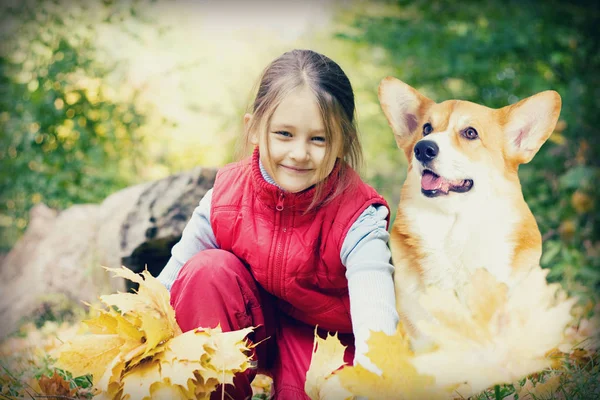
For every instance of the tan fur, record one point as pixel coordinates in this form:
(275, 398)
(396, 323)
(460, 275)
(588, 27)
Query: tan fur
(528, 240)
(442, 240)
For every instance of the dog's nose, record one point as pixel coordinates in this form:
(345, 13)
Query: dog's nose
(426, 150)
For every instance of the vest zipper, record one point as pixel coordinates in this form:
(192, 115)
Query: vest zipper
(279, 206)
(277, 264)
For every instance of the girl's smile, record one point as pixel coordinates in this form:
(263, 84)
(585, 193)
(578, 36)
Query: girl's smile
(297, 170)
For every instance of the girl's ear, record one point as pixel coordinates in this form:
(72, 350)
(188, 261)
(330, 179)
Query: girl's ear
(253, 136)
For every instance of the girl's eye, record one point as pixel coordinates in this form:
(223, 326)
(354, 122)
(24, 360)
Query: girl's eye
(427, 129)
(283, 133)
(319, 139)
(470, 133)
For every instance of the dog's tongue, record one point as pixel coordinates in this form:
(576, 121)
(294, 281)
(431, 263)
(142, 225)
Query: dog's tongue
(430, 181)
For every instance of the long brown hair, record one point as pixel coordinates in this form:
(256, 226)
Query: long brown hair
(335, 98)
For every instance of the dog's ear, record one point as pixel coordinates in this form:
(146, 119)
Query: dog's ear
(528, 123)
(403, 107)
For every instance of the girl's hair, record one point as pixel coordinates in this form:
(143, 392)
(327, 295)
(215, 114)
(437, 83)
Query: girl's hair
(335, 98)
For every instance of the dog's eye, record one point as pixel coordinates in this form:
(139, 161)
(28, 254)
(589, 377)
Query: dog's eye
(427, 129)
(470, 133)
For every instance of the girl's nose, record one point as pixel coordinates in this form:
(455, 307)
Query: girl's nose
(299, 152)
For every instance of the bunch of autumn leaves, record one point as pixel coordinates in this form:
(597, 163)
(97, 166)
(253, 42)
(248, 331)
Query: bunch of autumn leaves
(135, 349)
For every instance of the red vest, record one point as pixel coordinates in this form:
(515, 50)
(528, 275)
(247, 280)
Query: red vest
(292, 254)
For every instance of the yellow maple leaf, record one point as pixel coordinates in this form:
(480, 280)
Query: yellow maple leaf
(137, 381)
(115, 338)
(112, 322)
(110, 383)
(228, 357)
(493, 334)
(182, 357)
(204, 387)
(399, 378)
(166, 390)
(150, 291)
(391, 354)
(328, 357)
(89, 354)
(150, 304)
(103, 323)
(155, 329)
(187, 346)
(179, 373)
(126, 302)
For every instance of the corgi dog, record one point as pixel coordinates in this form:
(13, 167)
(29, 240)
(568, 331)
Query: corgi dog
(461, 205)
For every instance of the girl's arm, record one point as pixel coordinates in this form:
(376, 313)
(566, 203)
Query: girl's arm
(370, 280)
(197, 236)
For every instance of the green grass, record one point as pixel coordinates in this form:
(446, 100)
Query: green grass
(579, 380)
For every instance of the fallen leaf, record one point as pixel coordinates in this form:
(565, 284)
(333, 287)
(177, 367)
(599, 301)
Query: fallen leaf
(399, 378)
(137, 380)
(89, 354)
(55, 385)
(328, 357)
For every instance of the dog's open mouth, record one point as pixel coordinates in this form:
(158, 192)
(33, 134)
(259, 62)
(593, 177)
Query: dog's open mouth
(433, 185)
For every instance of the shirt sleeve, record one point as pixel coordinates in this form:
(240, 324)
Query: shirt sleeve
(370, 280)
(197, 235)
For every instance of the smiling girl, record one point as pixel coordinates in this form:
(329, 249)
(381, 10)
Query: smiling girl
(290, 238)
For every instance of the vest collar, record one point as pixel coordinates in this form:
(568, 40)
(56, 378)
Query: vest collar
(276, 198)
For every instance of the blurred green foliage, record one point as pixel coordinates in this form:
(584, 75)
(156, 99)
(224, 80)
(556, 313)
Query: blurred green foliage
(496, 53)
(65, 134)
(69, 133)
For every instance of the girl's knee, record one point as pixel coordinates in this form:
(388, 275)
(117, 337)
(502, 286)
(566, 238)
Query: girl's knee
(210, 264)
(214, 288)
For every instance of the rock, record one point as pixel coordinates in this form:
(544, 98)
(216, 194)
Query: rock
(156, 222)
(40, 219)
(62, 252)
(55, 257)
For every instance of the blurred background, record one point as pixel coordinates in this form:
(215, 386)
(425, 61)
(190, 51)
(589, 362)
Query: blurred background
(96, 96)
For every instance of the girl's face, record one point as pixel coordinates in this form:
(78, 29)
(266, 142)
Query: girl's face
(296, 142)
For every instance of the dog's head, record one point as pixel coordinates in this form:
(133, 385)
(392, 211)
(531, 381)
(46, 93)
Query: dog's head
(457, 148)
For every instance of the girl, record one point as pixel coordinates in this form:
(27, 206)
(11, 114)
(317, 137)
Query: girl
(289, 238)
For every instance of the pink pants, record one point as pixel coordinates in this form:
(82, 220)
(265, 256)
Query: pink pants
(215, 287)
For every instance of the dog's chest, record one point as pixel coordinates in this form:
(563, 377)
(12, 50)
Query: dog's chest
(454, 246)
